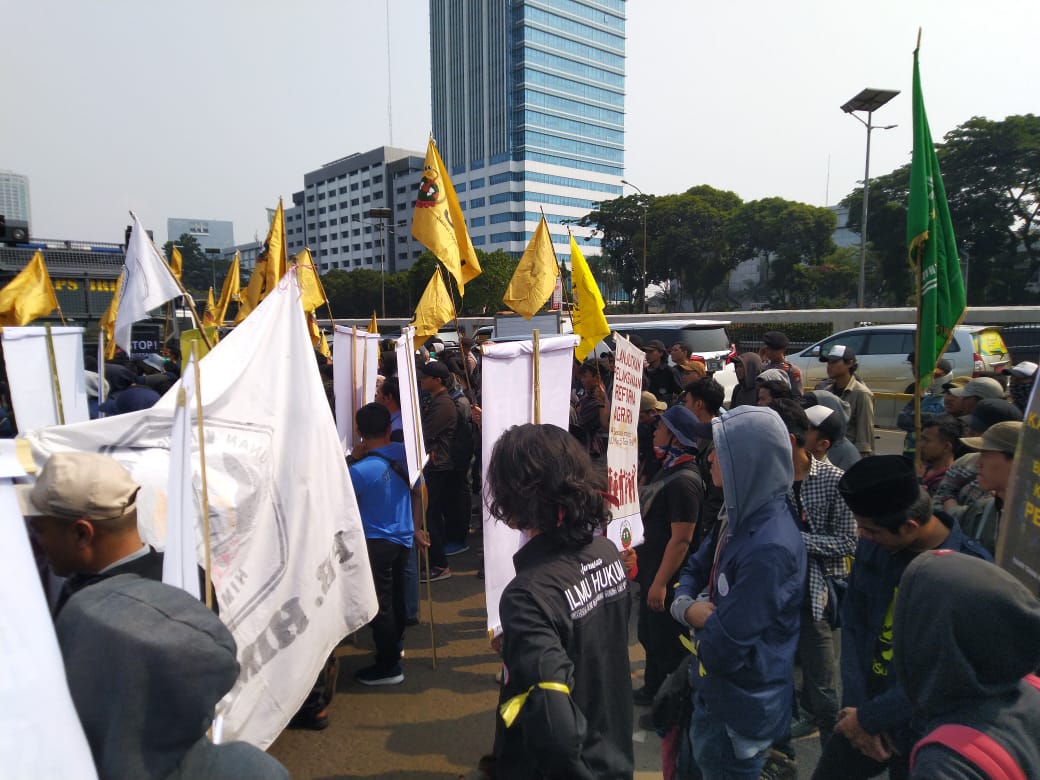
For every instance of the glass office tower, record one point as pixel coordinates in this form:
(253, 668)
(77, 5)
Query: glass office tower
(528, 101)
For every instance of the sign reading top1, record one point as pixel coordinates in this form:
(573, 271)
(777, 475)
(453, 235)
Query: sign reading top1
(1018, 542)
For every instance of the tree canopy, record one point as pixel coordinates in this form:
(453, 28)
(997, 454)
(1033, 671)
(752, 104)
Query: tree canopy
(200, 271)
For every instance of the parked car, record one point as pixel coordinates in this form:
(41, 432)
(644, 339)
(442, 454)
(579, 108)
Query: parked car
(881, 351)
(706, 339)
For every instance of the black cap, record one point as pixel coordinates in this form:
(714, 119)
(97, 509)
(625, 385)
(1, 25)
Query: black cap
(774, 339)
(436, 369)
(880, 485)
(685, 426)
(990, 411)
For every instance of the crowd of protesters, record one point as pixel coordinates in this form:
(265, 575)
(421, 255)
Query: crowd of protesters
(750, 562)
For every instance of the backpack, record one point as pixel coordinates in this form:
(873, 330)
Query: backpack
(463, 442)
(984, 752)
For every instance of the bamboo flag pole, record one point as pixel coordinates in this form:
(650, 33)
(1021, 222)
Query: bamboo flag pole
(537, 378)
(102, 395)
(55, 382)
(202, 469)
(455, 318)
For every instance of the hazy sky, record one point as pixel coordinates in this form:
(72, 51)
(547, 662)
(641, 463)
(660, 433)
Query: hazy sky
(214, 109)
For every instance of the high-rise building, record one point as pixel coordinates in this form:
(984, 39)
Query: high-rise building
(528, 101)
(214, 235)
(356, 212)
(14, 197)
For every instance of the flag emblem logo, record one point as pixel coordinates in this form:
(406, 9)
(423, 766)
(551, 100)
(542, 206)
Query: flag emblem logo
(430, 193)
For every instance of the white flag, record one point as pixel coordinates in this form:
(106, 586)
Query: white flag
(411, 422)
(181, 559)
(147, 284)
(355, 365)
(290, 564)
(29, 375)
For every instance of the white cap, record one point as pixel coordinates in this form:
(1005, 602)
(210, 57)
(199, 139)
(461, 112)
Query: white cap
(817, 414)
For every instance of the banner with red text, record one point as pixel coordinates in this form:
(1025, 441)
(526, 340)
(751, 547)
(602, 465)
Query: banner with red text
(626, 529)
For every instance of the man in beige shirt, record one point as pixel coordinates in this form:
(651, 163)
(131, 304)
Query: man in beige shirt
(841, 380)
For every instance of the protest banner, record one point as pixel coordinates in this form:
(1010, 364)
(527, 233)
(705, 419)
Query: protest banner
(411, 421)
(508, 373)
(289, 560)
(626, 528)
(354, 372)
(40, 733)
(1018, 541)
(31, 383)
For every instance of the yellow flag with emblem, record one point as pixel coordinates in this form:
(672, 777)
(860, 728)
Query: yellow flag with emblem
(209, 317)
(311, 295)
(107, 324)
(439, 224)
(29, 295)
(587, 314)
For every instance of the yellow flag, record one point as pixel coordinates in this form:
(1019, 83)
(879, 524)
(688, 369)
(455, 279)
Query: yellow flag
(176, 263)
(254, 290)
(188, 336)
(108, 321)
(311, 295)
(587, 314)
(230, 291)
(434, 309)
(373, 326)
(275, 251)
(318, 336)
(29, 295)
(439, 223)
(535, 276)
(210, 315)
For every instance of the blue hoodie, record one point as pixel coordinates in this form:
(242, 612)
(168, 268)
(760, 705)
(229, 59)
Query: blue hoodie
(746, 648)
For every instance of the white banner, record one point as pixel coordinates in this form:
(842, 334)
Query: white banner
(40, 733)
(29, 375)
(355, 365)
(626, 529)
(290, 565)
(507, 392)
(411, 423)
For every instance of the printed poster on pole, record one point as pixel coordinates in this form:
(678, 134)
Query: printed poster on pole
(626, 529)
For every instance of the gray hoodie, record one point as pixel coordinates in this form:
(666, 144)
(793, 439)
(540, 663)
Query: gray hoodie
(146, 665)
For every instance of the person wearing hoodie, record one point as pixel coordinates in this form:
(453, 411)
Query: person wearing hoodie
(896, 524)
(967, 634)
(747, 368)
(841, 452)
(146, 665)
(743, 600)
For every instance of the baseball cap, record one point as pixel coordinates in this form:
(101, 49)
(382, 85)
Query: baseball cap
(155, 361)
(979, 387)
(880, 485)
(957, 381)
(655, 344)
(838, 352)
(648, 401)
(1024, 370)
(774, 339)
(72, 485)
(435, 369)
(685, 426)
(990, 411)
(1002, 437)
(826, 420)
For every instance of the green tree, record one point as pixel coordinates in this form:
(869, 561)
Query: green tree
(991, 172)
(619, 225)
(200, 270)
(690, 241)
(790, 236)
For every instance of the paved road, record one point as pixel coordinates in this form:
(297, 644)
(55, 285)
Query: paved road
(440, 721)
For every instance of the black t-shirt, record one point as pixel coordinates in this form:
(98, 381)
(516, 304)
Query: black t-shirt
(679, 501)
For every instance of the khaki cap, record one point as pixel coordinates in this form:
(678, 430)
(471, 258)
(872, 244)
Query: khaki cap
(648, 401)
(72, 485)
(1002, 437)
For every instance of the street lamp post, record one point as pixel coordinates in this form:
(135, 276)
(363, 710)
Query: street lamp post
(645, 209)
(869, 100)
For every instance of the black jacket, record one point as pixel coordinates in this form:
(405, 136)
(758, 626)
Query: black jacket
(565, 620)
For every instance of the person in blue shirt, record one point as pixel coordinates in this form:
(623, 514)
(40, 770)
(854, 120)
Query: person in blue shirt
(743, 598)
(896, 524)
(379, 474)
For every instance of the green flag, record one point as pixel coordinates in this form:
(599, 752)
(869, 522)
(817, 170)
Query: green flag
(932, 246)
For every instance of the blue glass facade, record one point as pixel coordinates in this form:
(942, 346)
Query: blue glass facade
(529, 97)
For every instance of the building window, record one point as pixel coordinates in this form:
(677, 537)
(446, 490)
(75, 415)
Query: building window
(353, 187)
(310, 199)
(322, 224)
(366, 198)
(310, 212)
(321, 210)
(354, 201)
(478, 221)
(377, 195)
(321, 196)
(355, 232)
(343, 190)
(377, 179)
(477, 240)
(476, 203)
(476, 184)
(460, 187)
